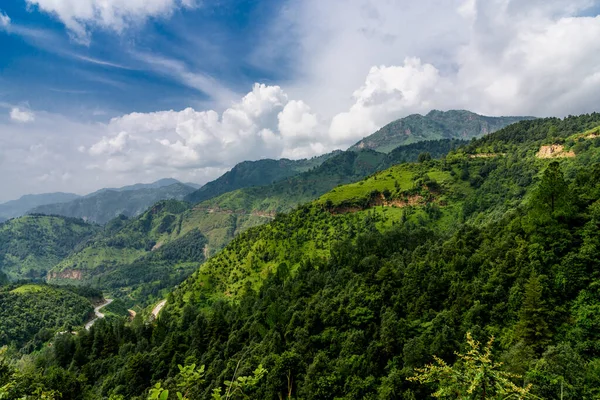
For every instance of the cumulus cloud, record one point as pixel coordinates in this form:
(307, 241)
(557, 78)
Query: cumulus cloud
(21, 115)
(361, 64)
(521, 58)
(517, 59)
(4, 20)
(389, 93)
(264, 123)
(80, 15)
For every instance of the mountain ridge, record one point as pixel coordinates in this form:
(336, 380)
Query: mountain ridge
(106, 204)
(452, 124)
(20, 206)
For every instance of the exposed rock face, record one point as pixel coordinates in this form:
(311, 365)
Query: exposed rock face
(74, 274)
(554, 151)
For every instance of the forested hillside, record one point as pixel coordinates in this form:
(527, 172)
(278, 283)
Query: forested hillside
(436, 125)
(31, 245)
(153, 251)
(348, 296)
(255, 173)
(32, 314)
(115, 259)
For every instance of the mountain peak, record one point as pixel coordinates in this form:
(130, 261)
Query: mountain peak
(435, 125)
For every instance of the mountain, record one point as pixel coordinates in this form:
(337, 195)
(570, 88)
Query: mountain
(255, 173)
(154, 185)
(112, 260)
(193, 185)
(106, 204)
(345, 167)
(156, 250)
(32, 244)
(16, 208)
(455, 124)
(348, 296)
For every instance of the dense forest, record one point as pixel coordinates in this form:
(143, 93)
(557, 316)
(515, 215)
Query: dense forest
(32, 314)
(31, 245)
(388, 288)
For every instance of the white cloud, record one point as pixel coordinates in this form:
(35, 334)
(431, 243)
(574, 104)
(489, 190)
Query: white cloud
(388, 93)
(521, 58)
(4, 20)
(22, 115)
(264, 123)
(361, 64)
(80, 15)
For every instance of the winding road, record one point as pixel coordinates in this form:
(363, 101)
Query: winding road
(99, 315)
(158, 308)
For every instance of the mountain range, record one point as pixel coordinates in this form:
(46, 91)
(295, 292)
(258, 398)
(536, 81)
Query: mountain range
(344, 292)
(106, 204)
(16, 208)
(251, 194)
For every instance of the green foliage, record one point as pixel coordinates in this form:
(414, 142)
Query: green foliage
(552, 196)
(241, 387)
(344, 297)
(474, 376)
(31, 245)
(31, 315)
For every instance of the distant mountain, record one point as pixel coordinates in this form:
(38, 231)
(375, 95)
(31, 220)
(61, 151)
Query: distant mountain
(106, 204)
(255, 173)
(154, 185)
(16, 208)
(455, 124)
(31, 245)
(193, 185)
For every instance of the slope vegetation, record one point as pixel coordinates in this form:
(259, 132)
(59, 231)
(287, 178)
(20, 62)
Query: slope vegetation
(255, 173)
(125, 258)
(31, 245)
(32, 314)
(344, 297)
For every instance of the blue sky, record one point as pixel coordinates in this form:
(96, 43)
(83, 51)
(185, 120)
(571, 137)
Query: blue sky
(105, 93)
(41, 65)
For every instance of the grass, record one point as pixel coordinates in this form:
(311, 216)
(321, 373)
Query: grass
(28, 289)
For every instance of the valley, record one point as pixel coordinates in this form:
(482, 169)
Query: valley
(339, 279)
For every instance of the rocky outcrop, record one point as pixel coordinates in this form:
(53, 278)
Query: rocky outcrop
(554, 151)
(73, 274)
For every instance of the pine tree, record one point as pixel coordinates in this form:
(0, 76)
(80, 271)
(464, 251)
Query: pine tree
(533, 326)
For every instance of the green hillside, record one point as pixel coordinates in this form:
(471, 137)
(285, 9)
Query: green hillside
(344, 297)
(255, 173)
(455, 124)
(107, 204)
(31, 245)
(32, 314)
(118, 259)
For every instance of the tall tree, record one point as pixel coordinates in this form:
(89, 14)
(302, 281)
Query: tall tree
(533, 326)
